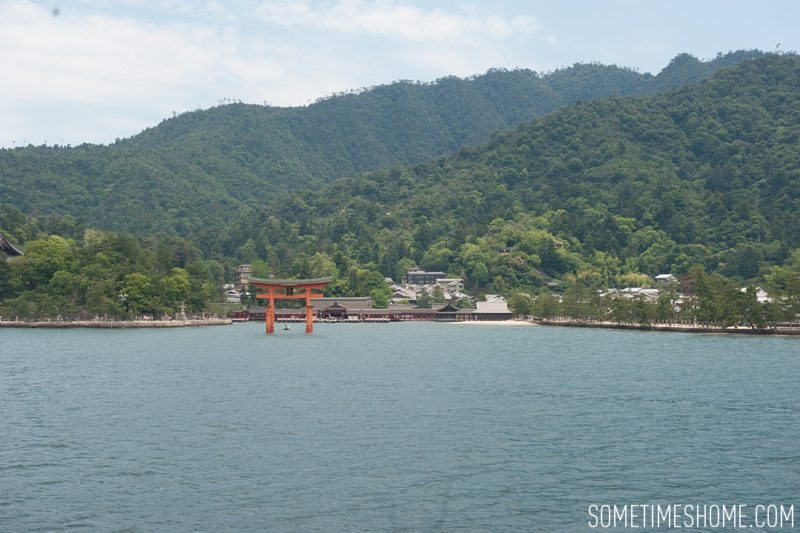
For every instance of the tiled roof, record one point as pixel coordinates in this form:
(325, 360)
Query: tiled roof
(7, 247)
(492, 307)
(291, 282)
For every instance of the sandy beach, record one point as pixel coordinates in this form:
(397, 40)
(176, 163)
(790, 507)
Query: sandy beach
(513, 322)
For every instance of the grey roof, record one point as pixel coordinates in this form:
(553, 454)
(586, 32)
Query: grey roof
(366, 311)
(291, 282)
(318, 304)
(449, 308)
(491, 307)
(7, 247)
(352, 304)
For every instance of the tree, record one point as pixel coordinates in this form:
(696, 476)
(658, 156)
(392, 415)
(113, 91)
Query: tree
(174, 289)
(437, 257)
(380, 298)
(665, 304)
(321, 265)
(750, 310)
(136, 295)
(437, 296)
(45, 257)
(521, 304)
(6, 288)
(423, 299)
(546, 305)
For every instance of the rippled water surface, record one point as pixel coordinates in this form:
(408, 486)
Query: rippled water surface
(387, 426)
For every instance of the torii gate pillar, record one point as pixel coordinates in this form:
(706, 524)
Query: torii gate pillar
(288, 286)
(309, 312)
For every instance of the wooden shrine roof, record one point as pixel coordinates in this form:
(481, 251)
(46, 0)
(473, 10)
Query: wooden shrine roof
(290, 282)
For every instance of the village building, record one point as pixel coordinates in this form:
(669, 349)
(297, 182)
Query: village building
(451, 285)
(448, 313)
(241, 277)
(494, 310)
(664, 280)
(403, 304)
(416, 276)
(761, 295)
(632, 293)
(450, 289)
(403, 294)
(232, 296)
(8, 249)
(344, 309)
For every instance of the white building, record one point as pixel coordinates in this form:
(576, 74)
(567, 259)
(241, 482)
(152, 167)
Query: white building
(665, 279)
(495, 310)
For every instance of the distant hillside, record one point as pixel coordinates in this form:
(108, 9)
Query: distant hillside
(192, 173)
(708, 174)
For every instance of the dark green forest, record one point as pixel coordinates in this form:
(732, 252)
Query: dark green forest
(594, 194)
(193, 173)
(72, 271)
(606, 192)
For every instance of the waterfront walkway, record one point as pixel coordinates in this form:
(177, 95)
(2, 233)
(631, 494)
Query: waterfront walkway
(674, 327)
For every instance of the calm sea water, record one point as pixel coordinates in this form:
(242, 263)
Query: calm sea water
(404, 426)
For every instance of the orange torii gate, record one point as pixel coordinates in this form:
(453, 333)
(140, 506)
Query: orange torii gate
(289, 286)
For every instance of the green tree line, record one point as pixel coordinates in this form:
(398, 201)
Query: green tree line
(102, 274)
(706, 298)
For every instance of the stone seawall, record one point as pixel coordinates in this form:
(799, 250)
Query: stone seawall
(678, 328)
(118, 324)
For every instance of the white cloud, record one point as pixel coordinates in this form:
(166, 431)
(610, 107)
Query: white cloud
(114, 68)
(108, 68)
(85, 59)
(395, 20)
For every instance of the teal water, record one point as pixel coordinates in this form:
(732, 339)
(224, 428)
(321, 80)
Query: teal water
(408, 426)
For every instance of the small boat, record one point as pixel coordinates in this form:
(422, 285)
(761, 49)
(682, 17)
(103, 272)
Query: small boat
(286, 327)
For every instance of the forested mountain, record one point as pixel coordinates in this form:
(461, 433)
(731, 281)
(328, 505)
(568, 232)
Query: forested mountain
(609, 192)
(194, 172)
(600, 192)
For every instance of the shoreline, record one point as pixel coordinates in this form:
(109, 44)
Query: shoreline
(511, 322)
(160, 324)
(674, 328)
(116, 324)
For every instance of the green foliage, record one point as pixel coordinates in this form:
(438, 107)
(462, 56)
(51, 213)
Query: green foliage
(6, 288)
(437, 295)
(710, 299)
(174, 289)
(606, 192)
(194, 173)
(137, 294)
(424, 299)
(521, 304)
(359, 282)
(105, 274)
(43, 258)
(380, 298)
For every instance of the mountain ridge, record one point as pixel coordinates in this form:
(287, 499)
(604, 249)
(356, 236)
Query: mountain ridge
(706, 174)
(201, 168)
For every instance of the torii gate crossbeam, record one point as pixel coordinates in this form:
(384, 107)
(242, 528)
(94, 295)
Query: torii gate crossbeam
(288, 286)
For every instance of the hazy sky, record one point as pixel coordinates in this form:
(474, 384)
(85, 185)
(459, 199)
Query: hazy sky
(79, 71)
